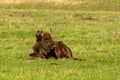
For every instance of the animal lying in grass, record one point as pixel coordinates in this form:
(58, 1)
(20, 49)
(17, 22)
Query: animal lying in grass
(45, 47)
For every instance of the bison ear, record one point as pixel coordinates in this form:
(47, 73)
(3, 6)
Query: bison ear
(39, 35)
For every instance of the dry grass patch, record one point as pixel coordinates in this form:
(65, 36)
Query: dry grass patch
(72, 2)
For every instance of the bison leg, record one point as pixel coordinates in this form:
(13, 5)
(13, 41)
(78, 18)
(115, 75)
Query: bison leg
(33, 56)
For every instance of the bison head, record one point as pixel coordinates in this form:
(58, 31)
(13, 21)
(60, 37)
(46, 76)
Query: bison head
(45, 39)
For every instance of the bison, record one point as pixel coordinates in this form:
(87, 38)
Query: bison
(46, 47)
(43, 45)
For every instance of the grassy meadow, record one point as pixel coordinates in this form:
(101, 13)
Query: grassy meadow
(91, 28)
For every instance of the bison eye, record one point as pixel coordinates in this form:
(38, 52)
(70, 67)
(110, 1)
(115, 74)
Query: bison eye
(46, 38)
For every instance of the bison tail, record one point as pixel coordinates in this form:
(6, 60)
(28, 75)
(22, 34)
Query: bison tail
(77, 59)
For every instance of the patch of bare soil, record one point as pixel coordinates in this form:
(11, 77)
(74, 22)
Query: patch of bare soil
(12, 15)
(89, 18)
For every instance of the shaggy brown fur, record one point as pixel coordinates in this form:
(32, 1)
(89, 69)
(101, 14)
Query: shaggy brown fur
(62, 50)
(46, 48)
(43, 45)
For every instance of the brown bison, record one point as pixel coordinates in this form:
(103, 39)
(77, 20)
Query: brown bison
(46, 47)
(43, 45)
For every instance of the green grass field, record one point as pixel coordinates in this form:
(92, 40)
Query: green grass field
(91, 28)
